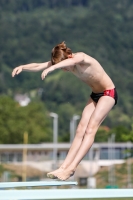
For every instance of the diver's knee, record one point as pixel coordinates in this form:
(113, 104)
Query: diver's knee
(80, 132)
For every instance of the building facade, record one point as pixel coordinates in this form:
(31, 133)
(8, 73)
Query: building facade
(44, 152)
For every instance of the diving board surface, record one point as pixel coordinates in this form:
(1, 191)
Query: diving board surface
(64, 194)
(5, 185)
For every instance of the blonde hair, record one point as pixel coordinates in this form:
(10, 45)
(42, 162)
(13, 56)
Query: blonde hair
(60, 52)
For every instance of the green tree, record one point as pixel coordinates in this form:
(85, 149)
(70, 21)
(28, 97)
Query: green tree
(122, 134)
(30, 29)
(15, 120)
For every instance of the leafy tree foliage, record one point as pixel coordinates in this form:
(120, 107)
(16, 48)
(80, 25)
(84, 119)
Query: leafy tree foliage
(15, 120)
(123, 134)
(103, 29)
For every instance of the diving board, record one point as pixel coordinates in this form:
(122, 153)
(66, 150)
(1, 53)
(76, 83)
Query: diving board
(5, 185)
(64, 194)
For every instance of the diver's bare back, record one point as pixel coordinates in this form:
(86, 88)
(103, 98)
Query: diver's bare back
(91, 72)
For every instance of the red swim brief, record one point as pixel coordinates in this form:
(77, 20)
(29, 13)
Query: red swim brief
(112, 93)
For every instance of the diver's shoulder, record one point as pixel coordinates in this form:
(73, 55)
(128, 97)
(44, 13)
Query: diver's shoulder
(80, 54)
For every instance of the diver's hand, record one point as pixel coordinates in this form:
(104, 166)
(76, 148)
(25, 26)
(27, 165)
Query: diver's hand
(17, 71)
(44, 73)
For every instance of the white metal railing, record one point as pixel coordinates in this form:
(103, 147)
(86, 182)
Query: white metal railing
(30, 194)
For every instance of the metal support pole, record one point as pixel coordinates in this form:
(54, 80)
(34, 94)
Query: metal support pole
(111, 156)
(55, 138)
(129, 173)
(24, 156)
(73, 126)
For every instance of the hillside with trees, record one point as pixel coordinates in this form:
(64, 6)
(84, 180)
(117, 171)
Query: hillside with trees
(102, 29)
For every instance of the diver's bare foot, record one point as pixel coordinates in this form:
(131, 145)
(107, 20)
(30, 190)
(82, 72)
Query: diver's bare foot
(64, 174)
(52, 174)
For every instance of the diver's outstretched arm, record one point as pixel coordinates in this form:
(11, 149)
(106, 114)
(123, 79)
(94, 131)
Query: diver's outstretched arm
(33, 67)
